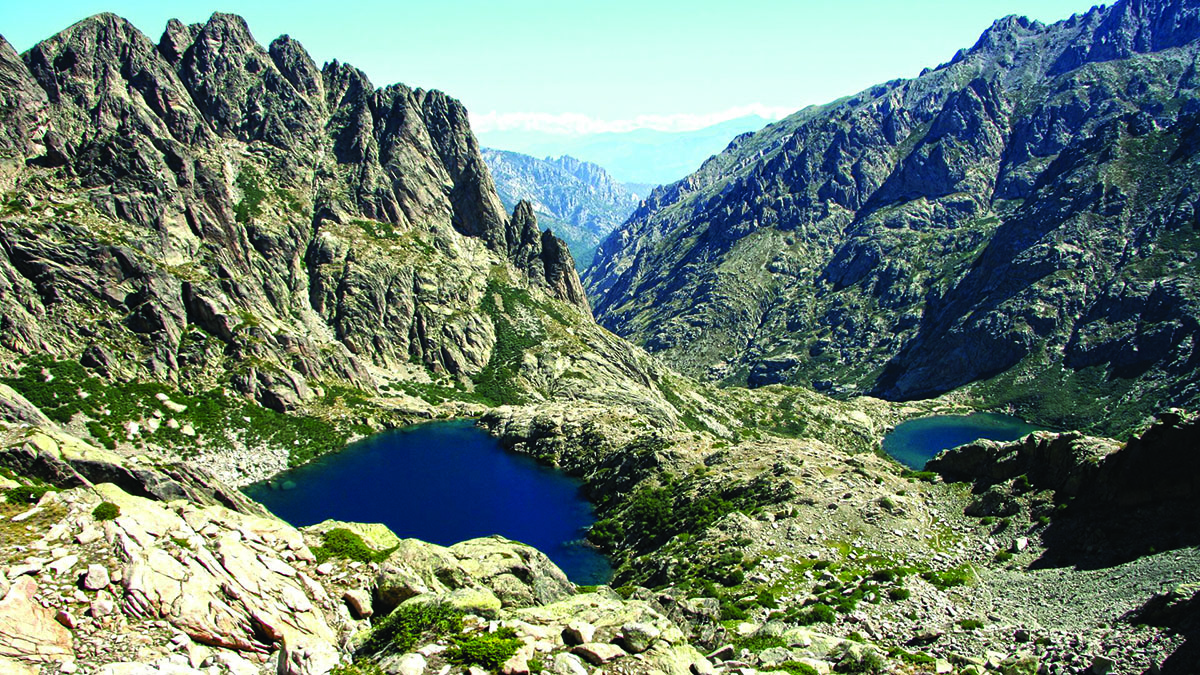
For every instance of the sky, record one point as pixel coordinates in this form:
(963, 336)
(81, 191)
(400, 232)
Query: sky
(587, 66)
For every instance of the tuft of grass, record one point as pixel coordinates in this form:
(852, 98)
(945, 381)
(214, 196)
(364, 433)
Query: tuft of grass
(28, 494)
(955, 576)
(818, 613)
(106, 511)
(342, 543)
(970, 624)
(793, 668)
(400, 630)
(486, 650)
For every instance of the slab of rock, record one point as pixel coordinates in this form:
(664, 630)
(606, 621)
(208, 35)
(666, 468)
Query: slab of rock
(1101, 665)
(566, 663)
(598, 653)
(359, 602)
(67, 619)
(95, 578)
(63, 564)
(28, 630)
(102, 605)
(11, 667)
(409, 664)
(578, 632)
(636, 637)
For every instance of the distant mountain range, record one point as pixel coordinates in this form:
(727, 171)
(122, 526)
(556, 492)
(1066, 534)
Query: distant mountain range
(639, 156)
(577, 200)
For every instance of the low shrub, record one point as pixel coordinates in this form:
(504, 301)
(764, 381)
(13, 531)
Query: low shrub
(793, 668)
(898, 594)
(955, 576)
(342, 543)
(857, 660)
(400, 630)
(106, 511)
(970, 624)
(27, 494)
(486, 650)
(818, 613)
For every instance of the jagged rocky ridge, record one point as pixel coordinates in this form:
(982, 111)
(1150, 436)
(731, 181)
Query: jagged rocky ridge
(577, 200)
(1020, 220)
(206, 210)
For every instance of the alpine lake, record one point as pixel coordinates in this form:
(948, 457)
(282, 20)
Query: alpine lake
(443, 482)
(917, 441)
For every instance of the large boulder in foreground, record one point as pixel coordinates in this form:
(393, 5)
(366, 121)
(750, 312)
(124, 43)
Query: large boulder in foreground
(517, 574)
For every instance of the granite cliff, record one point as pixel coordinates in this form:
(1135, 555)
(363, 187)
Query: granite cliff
(218, 216)
(1020, 222)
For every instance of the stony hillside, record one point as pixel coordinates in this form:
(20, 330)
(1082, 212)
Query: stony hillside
(229, 220)
(1021, 221)
(577, 200)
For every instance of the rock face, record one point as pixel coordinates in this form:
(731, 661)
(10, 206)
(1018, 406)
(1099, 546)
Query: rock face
(1022, 218)
(1112, 500)
(515, 574)
(578, 200)
(318, 227)
(28, 630)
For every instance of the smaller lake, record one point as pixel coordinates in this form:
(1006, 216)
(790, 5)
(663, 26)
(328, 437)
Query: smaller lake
(443, 482)
(915, 442)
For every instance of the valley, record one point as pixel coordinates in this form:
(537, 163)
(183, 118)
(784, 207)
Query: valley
(219, 261)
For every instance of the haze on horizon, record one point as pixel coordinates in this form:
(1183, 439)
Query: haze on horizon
(598, 66)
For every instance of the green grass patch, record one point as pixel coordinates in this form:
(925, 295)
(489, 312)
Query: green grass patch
(400, 631)
(28, 494)
(486, 650)
(249, 181)
(106, 511)
(343, 543)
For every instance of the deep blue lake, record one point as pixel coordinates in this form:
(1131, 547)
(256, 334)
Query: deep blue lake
(443, 482)
(917, 441)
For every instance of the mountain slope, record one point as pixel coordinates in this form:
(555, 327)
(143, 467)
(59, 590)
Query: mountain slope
(577, 200)
(1021, 219)
(216, 215)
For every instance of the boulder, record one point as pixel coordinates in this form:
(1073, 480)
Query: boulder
(636, 637)
(519, 575)
(598, 653)
(566, 663)
(95, 578)
(578, 632)
(29, 631)
(359, 602)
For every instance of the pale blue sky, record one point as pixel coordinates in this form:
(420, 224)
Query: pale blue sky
(671, 64)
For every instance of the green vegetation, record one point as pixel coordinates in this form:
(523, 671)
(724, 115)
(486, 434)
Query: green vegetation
(377, 229)
(342, 543)
(916, 659)
(249, 181)
(899, 594)
(106, 511)
(955, 576)
(486, 650)
(399, 631)
(28, 494)
(793, 668)
(857, 660)
(926, 476)
(358, 668)
(817, 613)
(64, 389)
(970, 624)
(496, 383)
